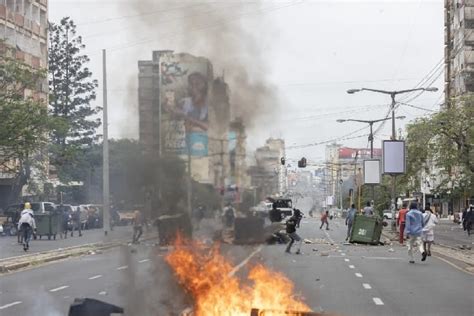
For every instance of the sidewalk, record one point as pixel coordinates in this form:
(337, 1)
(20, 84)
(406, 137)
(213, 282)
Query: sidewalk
(449, 234)
(10, 248)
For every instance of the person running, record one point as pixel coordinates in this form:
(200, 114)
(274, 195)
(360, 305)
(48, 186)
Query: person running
(413, 230)
(26, 225)
(429, 222)
(137, 226)
(291, 231)
(350, 220)
(401, 222)
(324, 220)
(18, 214)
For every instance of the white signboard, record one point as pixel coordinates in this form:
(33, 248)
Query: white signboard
(372, 172)
(393, 157)
(330, 200)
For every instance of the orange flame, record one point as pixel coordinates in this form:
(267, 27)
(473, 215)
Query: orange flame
(216, 291)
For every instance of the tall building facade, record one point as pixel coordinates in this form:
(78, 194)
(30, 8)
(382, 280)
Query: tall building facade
(459, 48)
(24, 37)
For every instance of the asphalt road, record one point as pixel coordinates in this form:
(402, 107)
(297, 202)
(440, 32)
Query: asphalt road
(340, 279)
(9, 246)
(450, 234)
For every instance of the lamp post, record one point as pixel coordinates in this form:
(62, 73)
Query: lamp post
(393, 94)
(371, 136)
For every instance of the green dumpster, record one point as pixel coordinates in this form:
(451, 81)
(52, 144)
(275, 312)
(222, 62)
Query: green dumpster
(48, 225)
(366, 230)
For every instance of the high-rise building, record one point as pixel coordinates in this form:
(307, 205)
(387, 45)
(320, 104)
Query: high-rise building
(23, 36)
(459, 48)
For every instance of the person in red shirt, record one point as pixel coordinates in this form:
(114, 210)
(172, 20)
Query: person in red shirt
(324, 220)
(401, 222)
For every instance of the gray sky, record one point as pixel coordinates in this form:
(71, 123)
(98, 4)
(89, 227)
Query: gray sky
(310, 51)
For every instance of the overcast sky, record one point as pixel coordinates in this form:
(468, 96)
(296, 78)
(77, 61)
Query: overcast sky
(310, 51)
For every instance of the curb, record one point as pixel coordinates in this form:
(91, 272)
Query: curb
(12, 264)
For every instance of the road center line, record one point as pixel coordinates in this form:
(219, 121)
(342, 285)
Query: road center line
(343, 254)
(377, 301)
(10, 305)
(59, 288)
(122, 268)
(358, 275)
(351, 267)
(95, 277)
(144, 260)
(346, 260)
(366, 286)
(240, 265)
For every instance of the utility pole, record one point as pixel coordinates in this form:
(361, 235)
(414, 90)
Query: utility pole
(189, 183)
(105, 148)
(393, 94)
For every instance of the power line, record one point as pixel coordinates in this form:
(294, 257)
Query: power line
(344, 137)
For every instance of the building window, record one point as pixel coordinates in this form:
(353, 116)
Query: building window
(27, 9)
(43, 18)
(35, 15)
(11, 5)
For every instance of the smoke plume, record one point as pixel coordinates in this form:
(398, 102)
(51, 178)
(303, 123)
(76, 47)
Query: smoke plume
(229, 33)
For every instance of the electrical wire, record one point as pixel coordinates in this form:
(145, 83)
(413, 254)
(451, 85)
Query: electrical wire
(344, 137)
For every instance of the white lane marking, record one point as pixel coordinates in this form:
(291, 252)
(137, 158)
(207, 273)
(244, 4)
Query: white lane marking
(351, 267)
(377, 301)
(343, 254)
(95, 277)
(346, 260)
(240, 265)
(366, 286)
(122, 268)
(10, 305)
(383, 258)
(329, 237)
(102, 293)
(340, 250)
(59, 288)
(144, 260)
(358, 275)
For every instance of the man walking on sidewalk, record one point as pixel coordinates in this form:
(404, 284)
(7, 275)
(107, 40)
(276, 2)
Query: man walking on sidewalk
(413, 230)
(401, 222)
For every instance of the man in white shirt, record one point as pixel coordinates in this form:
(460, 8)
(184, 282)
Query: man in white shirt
(26, 225)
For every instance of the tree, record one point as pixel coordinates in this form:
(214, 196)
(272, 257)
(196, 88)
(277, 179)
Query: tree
(443, 141)
(71, 92)
(24, 121)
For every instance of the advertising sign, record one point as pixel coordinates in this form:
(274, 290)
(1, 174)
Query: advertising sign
(372, 174)
(393, 157)
(184, 97)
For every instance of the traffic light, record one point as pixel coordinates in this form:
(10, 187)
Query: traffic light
(282, 160)
(302, 163)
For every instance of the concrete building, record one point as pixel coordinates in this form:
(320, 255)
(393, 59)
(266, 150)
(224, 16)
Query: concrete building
(23, 36)
(459, 48)
(269, 175)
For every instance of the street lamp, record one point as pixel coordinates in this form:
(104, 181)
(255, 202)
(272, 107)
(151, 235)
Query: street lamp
(393, 94)
(371, 123)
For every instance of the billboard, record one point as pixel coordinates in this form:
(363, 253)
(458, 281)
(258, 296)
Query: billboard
(184, 84)
(360, 153)
(184, 97)
(372, 173)
(393, 156)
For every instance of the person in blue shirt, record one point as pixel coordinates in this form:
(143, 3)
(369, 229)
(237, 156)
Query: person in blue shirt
(413, 231)
(350, 220)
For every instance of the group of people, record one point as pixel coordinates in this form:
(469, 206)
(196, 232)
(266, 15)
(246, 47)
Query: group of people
(418, 228)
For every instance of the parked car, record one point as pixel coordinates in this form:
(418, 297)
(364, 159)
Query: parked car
(43, 207)
(387, 214)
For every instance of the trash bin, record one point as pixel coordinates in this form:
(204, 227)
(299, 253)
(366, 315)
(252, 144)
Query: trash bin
(249, 230)
(48, 225)
(366, 229)
(170, 226)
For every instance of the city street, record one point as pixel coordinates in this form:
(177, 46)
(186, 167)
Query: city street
(331, 276)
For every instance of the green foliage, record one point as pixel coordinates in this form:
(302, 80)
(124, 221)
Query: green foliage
(71, 94)
(444, 140)
(24, 121)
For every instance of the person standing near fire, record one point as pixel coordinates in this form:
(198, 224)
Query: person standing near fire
(291, 225)
(138, 222)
